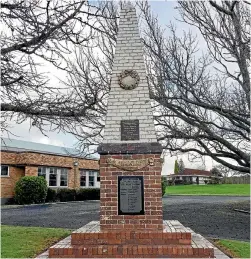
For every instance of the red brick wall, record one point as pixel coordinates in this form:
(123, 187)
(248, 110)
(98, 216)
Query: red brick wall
(46, 160)
(8, 182)
(31, 170)
(109, 218)
(31, 161)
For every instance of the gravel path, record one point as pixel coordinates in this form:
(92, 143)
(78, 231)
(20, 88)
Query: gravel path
(211, 216)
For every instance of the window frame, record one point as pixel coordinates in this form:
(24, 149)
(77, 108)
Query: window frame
(87, 184)
(93, 174)
(8, 171)
(58, 171)
(55, 172)
(80, 171)
(65, 170)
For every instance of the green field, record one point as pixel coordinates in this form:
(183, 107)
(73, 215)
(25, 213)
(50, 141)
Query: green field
(210, 189)
(27, 242)
(236, 249)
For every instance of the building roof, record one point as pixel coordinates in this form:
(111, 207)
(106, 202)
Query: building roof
(189, 171)
(16, 145)
(193, 172)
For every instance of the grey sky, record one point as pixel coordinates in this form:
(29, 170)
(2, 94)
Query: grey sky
(166, 13)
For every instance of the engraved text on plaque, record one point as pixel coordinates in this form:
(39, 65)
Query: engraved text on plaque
(130, 195)
(130, 130)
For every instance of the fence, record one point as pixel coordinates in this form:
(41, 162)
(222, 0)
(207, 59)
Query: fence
(237, 180)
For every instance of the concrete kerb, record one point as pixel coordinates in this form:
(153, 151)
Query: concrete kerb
(225, 195)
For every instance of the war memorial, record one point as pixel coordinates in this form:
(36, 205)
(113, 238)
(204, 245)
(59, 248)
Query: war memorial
(131, 217)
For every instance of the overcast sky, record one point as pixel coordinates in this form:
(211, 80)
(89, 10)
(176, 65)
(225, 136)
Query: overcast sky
(166, 13)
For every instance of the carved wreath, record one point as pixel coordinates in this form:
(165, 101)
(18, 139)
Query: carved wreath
(129, 79)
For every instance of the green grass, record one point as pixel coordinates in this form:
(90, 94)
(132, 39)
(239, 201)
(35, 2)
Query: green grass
(210, 189)
(236, 249)
(27, 242)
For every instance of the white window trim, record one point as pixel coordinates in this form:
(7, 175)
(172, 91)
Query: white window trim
(58, 172)
(8, 175)
(87, 178)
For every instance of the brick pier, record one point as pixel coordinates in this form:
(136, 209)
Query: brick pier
(109, 218)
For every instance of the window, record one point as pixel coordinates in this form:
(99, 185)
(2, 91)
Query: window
(82, 178)
(98, 177)
(63, 177)
(91, 179)
(42, 172)
(54, 176)
(88, 178)
(4, 170)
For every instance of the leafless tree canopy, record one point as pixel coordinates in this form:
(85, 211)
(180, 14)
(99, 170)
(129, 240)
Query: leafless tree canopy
(37, 33)
(201, 101)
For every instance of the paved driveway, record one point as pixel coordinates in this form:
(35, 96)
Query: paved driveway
(211, 216)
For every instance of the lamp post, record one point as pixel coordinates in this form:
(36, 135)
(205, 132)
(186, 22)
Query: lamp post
(75, 165)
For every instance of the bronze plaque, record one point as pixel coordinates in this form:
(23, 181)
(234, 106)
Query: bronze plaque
(130, 195)
(130, 130)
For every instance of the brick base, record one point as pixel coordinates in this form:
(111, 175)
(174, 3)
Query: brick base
(89, 242)
(153, 215)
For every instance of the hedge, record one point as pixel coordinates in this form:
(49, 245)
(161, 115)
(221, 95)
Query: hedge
(51, 195)
(64, 194)
(88, 194)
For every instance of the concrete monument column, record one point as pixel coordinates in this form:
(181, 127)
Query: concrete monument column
(130, 166)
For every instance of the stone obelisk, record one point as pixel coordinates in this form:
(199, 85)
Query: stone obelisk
(130, 167)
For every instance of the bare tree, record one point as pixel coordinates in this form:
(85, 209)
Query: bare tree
(202, 107)
(226, 172)
(199, 107)
(36, 33)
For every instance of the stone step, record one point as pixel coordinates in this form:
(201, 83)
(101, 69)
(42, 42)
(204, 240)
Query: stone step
(173, 233)
(130, 251)
(130, 237)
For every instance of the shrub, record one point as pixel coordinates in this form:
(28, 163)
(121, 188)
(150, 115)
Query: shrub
(163, 185)
(30, 189)
(88, 194)
(66, 194)
(51, 195)
(178, 182)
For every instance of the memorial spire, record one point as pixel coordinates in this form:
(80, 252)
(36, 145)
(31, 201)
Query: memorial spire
(129, 115)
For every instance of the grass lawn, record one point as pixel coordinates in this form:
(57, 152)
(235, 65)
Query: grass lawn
(20, 242)
(210, 189)
(236, 249)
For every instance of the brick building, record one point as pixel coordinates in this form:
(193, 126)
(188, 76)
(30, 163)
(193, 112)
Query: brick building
(61, 167)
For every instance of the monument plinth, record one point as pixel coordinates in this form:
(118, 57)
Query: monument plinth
(131, 218)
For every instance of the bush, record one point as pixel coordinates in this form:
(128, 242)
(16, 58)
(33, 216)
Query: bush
(88, 194)
(163, 185)
(66, 194)
(30, 190)
(51, 195)
(214, 180)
